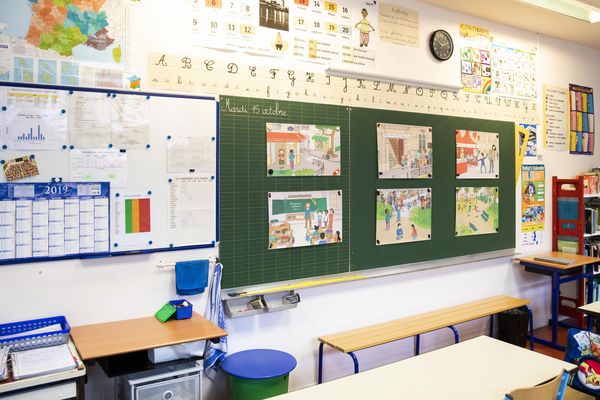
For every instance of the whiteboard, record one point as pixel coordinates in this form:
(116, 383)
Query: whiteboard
(159, 157)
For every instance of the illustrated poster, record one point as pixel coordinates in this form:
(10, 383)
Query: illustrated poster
(476, 68)
(581, 106)
(404, 151)
(477, 155)
(515, 71)
(476, 210)
(531, 145)
(403, 215)
(533, 204)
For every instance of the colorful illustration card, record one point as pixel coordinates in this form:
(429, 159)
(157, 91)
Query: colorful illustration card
(477, 155)
(403, 215)
(303, 150)
(299, 219)
(533, 204)
(476, 210)
(581, 105)
(531, 149)
(404, 151)
(476, 70)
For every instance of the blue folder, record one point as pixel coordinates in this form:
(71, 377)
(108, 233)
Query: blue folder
(191, 277)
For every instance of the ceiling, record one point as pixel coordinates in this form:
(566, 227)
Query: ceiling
(513, 13)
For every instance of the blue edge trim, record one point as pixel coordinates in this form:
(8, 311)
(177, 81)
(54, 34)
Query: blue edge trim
(122, 253)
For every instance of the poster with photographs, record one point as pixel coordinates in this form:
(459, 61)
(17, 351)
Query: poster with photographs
(404, 151)
(303, 150)
(300, 219)
(403, 215)
(477, 155)
(476, 210)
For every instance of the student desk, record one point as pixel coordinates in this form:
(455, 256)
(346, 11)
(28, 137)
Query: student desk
(592, 310)
(117, 343)
(60, 385)
(582, 267)
(478, 369)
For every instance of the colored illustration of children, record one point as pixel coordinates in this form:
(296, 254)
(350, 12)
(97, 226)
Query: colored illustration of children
(319, 219)
(322, 236)
(398, 211)
(337, 238)
(307, 216)
(330, 219)
(292, 158)
(365, 28)
(493, 157)
(281, 157)
(388, 218)
(399, 232)
(413, 232)
(326, 218)
(481, 163)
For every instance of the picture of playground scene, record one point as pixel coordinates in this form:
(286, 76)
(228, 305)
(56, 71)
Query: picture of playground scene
(476, 210)
(403, 215)
(404, 151)
(477, 155)
(303, 150)
(299, 219)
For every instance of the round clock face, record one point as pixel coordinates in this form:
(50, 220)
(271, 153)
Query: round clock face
(441, 45)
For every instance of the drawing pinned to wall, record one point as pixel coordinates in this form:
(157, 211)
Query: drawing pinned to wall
(87, 35)
(404, 151)
(303, 150)
(477, 155)
(403, 215)
(581, 106)
(476, 68)
(34, 119)
(531, 145)
(515, 71)
(533, 190)
(20, 168)
(476, 210)
(299, 219)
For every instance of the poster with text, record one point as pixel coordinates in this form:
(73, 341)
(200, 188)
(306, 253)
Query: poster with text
(477, 155)
(515, 71)
(581, 107)
(403, 215)
(299, 219)
(476, 210)
(404, 151)
(533, 203)
(476, 68)
(303, 150)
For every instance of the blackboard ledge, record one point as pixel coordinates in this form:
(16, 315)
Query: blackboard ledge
(246, 291)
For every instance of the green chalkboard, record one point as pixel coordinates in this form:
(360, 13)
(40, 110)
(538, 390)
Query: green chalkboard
(244, 189)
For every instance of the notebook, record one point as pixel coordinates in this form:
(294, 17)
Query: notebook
(44, 361)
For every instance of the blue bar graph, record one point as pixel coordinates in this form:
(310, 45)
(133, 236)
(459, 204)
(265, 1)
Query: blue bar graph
(29, 137)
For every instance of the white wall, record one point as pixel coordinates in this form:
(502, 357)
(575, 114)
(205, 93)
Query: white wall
(126, 287)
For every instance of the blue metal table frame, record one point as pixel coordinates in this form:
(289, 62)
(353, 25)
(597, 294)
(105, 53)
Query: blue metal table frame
(587, 272)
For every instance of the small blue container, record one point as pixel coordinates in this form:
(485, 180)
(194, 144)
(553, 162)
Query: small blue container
(26, 340)
(182, 312)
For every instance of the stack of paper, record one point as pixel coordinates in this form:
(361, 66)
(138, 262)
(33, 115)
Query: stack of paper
(3, 364)
(47, 360)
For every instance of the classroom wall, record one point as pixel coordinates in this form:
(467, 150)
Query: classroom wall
(126, 287)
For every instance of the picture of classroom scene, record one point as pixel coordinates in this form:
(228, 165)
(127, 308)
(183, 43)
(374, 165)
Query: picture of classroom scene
(476, 210)
(300, 219)
(403, 215)
(303, 150)
(477, 155)
(404, 151)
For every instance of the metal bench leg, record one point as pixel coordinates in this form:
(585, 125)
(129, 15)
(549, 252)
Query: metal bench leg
(320, 368)
(417, 344)
(492, 325)
(530, 327)
(355, 360)
(456, 338)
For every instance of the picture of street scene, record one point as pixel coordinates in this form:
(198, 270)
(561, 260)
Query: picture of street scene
(303, 150)
(299, 219)
(403, 215)
(477, 155)
(274, 14)
(476, 210)
(404, 151)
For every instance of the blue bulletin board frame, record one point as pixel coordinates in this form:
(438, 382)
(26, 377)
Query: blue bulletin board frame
(111, 252)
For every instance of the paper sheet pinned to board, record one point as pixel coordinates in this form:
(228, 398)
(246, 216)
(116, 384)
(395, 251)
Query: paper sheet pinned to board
(89, 120)
(99, 165)
(190, 154)
(130, 122)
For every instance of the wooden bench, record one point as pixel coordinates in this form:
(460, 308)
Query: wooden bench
(413, 326)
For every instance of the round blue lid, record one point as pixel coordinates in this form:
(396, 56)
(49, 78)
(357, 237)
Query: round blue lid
(259, 364)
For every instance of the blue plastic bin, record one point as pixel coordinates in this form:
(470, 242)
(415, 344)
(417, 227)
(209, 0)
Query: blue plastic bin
(258, 374)
(182, 312)
(27, 340)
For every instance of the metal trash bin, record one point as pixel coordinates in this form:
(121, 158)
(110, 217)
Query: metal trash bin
(512, 326)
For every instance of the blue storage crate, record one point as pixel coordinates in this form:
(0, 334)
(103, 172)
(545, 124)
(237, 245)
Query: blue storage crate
(182, 312)
(34, 341)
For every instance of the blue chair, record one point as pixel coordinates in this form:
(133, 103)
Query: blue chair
(553, 390)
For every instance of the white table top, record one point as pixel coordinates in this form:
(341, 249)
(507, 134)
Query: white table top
(591, 309)
(478, 369)
(45, 379)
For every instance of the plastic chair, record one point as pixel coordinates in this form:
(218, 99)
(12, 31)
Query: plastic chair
(553, 390)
